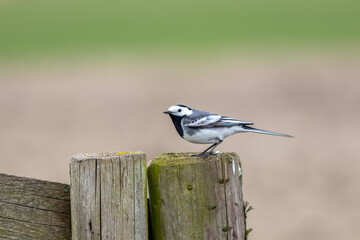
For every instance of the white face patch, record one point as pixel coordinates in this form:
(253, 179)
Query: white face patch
(180, 111)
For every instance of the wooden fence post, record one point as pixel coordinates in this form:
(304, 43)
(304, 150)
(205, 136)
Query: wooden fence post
(196, 197)
(109, 196)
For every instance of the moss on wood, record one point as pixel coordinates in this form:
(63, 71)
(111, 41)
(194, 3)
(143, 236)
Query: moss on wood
(196, 197)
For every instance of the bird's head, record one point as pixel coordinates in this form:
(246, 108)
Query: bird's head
(179, 111)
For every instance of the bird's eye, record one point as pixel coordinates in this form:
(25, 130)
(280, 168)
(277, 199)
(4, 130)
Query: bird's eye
(179, 110)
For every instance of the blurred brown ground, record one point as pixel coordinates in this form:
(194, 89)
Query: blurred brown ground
(302, 188)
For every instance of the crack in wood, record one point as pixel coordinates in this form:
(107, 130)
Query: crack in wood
(40, 224)
(36, 208)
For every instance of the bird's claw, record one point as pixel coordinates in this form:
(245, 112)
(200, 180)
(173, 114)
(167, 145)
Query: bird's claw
(205, 154)
(199, 155)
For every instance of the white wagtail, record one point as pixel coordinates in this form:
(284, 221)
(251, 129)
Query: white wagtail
(204, 128)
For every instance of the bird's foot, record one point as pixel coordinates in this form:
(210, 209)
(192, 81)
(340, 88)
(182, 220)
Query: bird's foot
(200, 155)
(206, 154)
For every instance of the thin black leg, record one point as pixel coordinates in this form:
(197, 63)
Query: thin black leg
(208, 149)
(211, 148)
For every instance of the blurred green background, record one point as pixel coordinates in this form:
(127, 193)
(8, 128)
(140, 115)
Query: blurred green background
(58, 27)
(95, 76)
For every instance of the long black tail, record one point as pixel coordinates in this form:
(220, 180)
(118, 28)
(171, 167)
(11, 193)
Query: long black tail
(255, 130)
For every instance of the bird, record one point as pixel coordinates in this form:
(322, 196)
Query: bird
(203, 127)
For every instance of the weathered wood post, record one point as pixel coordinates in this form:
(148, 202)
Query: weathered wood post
(109, 196)
(196, 197)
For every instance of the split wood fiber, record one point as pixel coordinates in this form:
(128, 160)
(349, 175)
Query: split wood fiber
(109, 196)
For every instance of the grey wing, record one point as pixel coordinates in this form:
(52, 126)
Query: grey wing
(202, 121)
(214, 120)
(226, 121)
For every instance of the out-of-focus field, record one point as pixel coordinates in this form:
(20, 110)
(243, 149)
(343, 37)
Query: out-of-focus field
(81, 76)
(301, 188)
(40, 27)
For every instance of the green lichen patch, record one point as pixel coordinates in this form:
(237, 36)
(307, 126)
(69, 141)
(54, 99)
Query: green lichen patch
(153, 173)
(186, 158)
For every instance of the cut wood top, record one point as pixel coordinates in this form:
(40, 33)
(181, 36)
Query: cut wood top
(186, 158)
(107, 155)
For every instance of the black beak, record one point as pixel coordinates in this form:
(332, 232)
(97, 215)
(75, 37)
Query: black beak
(167, 112)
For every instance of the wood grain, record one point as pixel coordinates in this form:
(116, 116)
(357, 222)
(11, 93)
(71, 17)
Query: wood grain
(109, 196)
(196, 197)
(34, 209)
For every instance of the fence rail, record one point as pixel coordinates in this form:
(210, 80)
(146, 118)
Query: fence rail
(34, 209)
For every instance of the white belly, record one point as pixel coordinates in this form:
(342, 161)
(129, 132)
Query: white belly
(209, 135)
